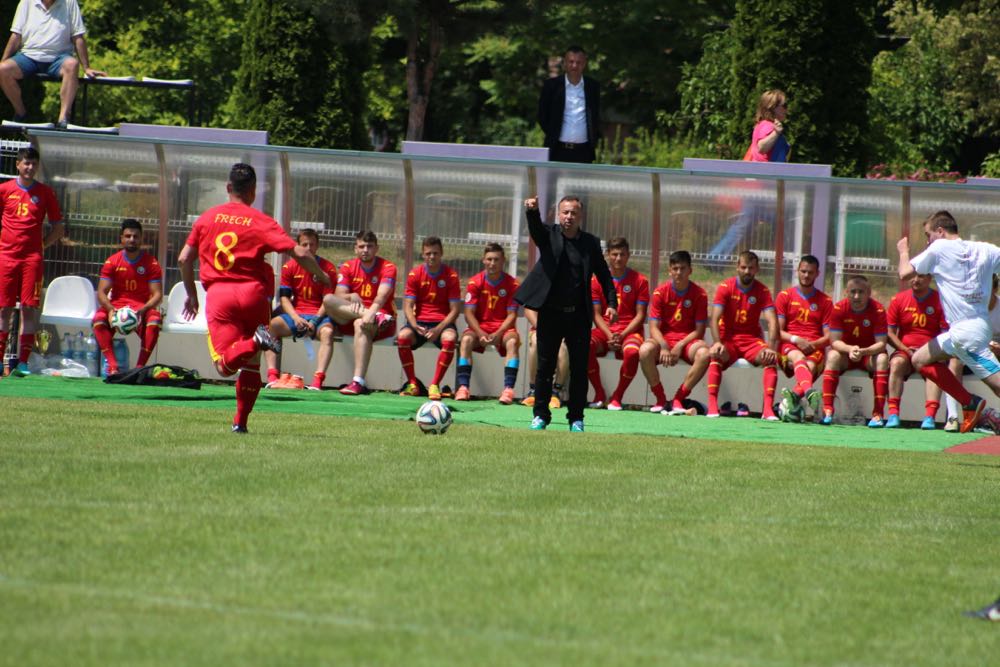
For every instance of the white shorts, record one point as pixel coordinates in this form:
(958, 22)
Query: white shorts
(969, 340)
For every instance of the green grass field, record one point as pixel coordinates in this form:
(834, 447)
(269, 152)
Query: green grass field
(138, 535)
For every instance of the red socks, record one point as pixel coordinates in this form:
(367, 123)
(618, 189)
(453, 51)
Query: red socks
(149, 338)
(714, 381)
(247, 387)
(443, 361)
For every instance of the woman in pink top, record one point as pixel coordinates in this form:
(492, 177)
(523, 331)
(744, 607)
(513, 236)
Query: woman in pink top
(768, 143)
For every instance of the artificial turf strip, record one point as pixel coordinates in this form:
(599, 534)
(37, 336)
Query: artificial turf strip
(138, 535)
(383, 405)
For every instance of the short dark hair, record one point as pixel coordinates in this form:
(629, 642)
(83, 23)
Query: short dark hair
(130, 223)
(366, 235)
(28, 153)
(857, 278)
(571, 198)
(494, 247)
(308, 231)
(809, 259)
(432, 241)
(943, 220)
(617, 243)
(576, 48)
(749, 256)
(679, 257)
(242, 177)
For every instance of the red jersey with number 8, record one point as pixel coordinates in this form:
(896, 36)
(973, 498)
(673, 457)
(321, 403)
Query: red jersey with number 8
(232, 240)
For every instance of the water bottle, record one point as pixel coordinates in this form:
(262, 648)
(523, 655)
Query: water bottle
(120, 349)
(80, 349)
(90, 353)
(67, 346)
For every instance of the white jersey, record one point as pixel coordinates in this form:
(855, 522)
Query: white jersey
(963, 271)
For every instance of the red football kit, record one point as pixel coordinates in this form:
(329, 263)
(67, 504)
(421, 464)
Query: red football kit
(632, 289)
(307, 293)
(433, 293)
(493, 302)
(859, 328)
(916, 320)
(232, 241)
(24, 211)
(130, 282)
(365, 282)
(805, 316)
(678, 313)
(741, 312)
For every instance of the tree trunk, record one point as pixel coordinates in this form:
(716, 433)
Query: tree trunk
(420, 70)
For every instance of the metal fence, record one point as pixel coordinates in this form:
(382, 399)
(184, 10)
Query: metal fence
(167, 184)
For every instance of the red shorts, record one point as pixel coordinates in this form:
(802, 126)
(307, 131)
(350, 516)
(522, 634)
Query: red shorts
(599, 342)
(501, 349)
(151, 318)
(743, 347)
(387, 332)
(234, 311)
(862, 365)
(818, 357)
(674, 338)
(21, 280)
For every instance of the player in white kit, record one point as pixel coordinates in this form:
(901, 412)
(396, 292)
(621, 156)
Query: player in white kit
(963, 271)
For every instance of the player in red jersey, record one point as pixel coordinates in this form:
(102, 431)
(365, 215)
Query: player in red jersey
(26, 204)
(301, 312)
(804, 323)
(369, 281)
(857, 340)
(739, 305)
(491, 314)
(230, 242)
(678, 316)
(131, 277)
(624, 335)
(431, 304)
(914, 317)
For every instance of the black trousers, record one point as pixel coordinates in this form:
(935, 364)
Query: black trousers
(583, 153)
(555, 326)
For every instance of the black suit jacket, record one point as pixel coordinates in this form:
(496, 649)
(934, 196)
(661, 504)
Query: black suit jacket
(552, 104)
(549, 238)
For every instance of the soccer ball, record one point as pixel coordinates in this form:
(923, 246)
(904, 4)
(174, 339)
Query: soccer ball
(434, 417)
(125, 320)
(794, 415)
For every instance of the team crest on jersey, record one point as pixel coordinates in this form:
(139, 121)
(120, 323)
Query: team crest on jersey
(441, 282)
(930, 310)
(752, 300)
(813, 307)
(35, 199)
(374, 280)
(687, 303)
(866, 323)
(627, 289)
(468, 297)
(141, 270)
(502, 292)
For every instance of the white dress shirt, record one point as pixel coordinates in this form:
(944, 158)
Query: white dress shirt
(574, 125)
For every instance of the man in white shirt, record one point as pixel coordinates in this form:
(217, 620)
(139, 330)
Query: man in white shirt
(963, 271)
(43, 38)
(569, 111)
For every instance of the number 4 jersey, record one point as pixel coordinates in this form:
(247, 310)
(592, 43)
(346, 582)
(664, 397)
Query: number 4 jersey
(232, 240)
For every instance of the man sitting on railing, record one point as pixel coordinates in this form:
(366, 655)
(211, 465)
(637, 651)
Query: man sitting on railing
(43, 37)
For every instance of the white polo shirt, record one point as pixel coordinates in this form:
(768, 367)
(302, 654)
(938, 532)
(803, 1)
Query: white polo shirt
(46, 34)
(574, 126)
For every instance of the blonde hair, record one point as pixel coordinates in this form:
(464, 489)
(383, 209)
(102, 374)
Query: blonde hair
(769, 101)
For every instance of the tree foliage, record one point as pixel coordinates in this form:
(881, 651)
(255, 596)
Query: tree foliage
(818, 51)
(296, 82)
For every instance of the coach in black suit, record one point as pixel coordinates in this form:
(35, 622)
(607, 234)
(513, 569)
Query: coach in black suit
(558, 287)
(569, 111)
